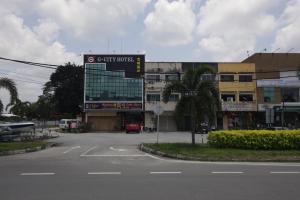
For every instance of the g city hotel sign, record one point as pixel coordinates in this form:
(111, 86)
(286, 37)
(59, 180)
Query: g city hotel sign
(129, 63)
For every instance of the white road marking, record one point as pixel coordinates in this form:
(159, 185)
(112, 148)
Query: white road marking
(115, 149)
(72, 148)
(37, 174)
(112, 155)
(90, 149)
(165, 172)
(227, 172)
(104, 173)
(285, 172)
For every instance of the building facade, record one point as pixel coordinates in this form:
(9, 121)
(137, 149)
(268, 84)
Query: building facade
(278, 88)
(237, 89)
(113, 91)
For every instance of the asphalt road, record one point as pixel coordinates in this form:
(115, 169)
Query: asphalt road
(109, 166)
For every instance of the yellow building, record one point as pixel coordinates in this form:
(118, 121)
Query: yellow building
(237, 88)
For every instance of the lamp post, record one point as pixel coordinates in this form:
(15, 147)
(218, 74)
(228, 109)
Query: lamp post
(282, 113)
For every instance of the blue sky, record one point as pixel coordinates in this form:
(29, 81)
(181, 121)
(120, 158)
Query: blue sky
(58, 31)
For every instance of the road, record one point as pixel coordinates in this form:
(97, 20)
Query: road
(109, 166)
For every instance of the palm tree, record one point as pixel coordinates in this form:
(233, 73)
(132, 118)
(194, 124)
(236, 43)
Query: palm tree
(20, 108)
(199, 98)
(10, 85)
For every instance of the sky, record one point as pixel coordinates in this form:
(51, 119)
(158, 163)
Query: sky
(60, 31)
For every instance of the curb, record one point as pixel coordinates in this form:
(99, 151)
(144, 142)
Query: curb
(189, 158)
(166, 155)
(28, 150)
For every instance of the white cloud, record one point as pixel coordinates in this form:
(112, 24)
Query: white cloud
(227, 29)
(88, 19)
(37, 44)
(288, 36)
(171, 23)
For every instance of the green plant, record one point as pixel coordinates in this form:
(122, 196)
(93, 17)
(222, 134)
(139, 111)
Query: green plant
(256, 139)
(85, 127)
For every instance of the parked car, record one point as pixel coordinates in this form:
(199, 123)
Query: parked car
(133, 127)
(68, 124)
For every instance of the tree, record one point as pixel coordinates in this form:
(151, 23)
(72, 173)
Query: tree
(199, 98)
(9, 85)
(20, 108)
(65, 89)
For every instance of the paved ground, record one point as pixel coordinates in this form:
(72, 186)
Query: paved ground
(109, 166)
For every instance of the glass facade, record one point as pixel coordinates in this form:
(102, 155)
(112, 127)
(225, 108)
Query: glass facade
(102, 85)
(269, 94)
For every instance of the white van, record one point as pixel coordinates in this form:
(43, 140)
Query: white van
(68, 123)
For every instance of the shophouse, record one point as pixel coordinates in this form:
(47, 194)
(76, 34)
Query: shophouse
(237, 88)
(277, 88)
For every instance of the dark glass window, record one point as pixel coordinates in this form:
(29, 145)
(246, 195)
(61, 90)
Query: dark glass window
(245, 78)
(153, 97)
(290, 94)
(174, 97)
(246, 97)
(173, 77)
(228, 97)
(153, 78)
(269, 94)
(227, 78)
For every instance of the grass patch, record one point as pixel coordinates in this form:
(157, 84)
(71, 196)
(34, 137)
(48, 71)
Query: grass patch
(207, 153)
(10, 146)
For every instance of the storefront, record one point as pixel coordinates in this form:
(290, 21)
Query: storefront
(113, 91)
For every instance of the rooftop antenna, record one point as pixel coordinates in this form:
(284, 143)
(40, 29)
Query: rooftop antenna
(276, 50)
(290, 50)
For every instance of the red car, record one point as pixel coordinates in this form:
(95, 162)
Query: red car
(133, 127)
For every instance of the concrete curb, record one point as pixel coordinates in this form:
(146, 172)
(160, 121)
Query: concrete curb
(189, 158)
(28, 150)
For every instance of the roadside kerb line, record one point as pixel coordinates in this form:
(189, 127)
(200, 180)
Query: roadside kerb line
(37, 174)
(104, 173)
(227, 172)
(165, 172)
(90, 149)
(286, 172)
(70, 149)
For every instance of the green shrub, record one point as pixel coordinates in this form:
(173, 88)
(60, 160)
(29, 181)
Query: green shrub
(256, 139)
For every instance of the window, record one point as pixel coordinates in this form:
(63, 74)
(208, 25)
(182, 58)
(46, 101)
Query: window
(153, 97)
(228, 97)
(174, 97)
(102, 85)
(153, 78)
(269, 93)
(227, 78)
(290, 94)
(208, 77)
(173, 77)
(245, 78)
(245, 97)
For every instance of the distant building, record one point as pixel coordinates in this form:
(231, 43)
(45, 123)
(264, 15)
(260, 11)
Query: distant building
(278, 88)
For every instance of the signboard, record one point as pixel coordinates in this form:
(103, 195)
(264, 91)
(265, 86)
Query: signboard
(278, 83)
(113, 106)
(158, 110)
(133, 65)
(235, 106)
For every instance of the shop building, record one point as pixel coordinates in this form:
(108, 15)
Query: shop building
(113, 91)
(237, 89)
(157, 75)
(278, 88)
